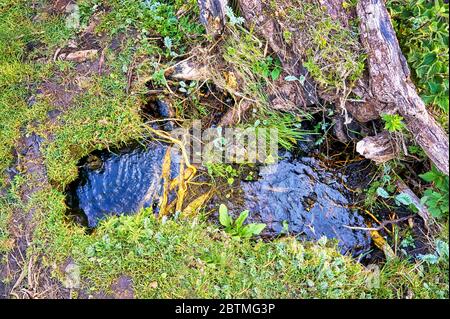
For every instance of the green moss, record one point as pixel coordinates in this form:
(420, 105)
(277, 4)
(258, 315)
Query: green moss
(19, 72)
(101, 117)
(287, 36)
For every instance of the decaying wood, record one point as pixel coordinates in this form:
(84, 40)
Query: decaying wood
(422, 210)
(233, 115)
(212, 15)
(189, 70)
(390, 83)
(379, 148)
(79, 56)
(364, 109)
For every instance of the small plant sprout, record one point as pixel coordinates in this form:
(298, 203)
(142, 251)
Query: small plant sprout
(169, 45)
(399, 199)
(292, 78)
(234, 20)
(393, 122)
(187, 89)
(236, 228)
(440, 255)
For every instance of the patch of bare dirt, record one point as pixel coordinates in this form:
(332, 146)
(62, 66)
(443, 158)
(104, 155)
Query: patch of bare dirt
(123, 288)
(59, 6)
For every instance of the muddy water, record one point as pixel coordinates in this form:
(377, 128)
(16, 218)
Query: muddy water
(295, 194)
(125, 182)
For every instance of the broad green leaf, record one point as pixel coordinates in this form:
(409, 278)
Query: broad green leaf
(224, 217)
(275, 73)
(429, 258)
(240, 220)
(404, 199)
(442, 249)
(256, 229)
(291, 78)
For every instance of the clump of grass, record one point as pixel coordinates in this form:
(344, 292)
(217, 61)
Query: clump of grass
(101, 117)
(331, 51)
(191, 258)
(244, 53)
(257, 71)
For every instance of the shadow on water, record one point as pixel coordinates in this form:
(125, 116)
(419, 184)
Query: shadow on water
(299, 197)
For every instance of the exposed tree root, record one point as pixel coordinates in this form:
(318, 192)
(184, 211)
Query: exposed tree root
(386, 88)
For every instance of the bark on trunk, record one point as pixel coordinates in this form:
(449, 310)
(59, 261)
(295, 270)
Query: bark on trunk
(212, 15)
(390, 83)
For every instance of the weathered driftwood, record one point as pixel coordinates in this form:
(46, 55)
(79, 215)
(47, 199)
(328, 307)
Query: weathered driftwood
(212, 15)
(379, 148)
(188, 70)
(79, 56)
(390, 83)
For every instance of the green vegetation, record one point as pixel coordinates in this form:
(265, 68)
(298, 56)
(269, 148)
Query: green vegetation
(225, 171)
(245, 53)
(192, 258)
(176, 257)
(18, 71)
(393, 122)
(100, 117)
(422, 30)
(236, 228)
(437, 197)
(333, 55)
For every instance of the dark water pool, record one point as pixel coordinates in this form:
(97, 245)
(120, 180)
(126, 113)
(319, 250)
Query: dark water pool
(122, 182)
(299, 196)
(296, 194)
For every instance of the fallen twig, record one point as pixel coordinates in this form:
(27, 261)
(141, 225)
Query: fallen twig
(382, 225)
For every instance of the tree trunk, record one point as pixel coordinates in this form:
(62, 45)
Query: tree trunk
(390, 83)
(212, 15)
(386, 88)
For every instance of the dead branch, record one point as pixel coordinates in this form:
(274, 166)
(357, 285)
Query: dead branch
(379, 148)
(382, 225)
(212, 15)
